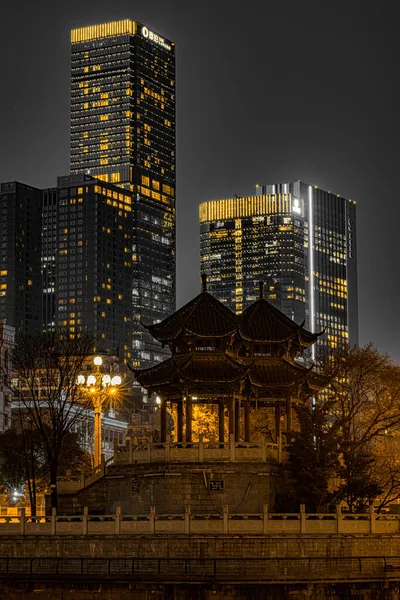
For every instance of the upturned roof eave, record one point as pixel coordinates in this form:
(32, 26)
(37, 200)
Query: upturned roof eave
(264, 340)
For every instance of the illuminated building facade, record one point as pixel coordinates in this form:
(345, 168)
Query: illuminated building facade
(123, 132)
(301, 241)
(20, 277)
(93, 288)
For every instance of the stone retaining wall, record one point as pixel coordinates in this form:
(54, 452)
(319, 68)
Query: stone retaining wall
(201, 547)
(245, 487)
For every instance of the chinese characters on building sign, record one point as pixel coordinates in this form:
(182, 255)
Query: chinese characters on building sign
(154, 37)
(350, 237)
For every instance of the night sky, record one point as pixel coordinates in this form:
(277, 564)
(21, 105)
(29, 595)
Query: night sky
(267, 92)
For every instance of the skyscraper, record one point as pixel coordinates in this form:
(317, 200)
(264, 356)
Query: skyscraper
(123, 132)
(97, 252)
(300, 240)
(93, 288)
(20, 278)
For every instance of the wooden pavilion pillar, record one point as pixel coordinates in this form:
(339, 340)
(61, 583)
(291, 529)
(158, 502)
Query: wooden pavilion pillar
(247, 410)
(237, 422)
(188, 418)
(289, 414)
(231, 416)
(278, 422)
(163, 420)
(221, 421)
(180, 420)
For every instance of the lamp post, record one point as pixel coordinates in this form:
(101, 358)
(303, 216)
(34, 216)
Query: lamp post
(99, 387)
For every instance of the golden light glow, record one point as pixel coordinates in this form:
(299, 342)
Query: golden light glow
(94, 32)
(250, 206)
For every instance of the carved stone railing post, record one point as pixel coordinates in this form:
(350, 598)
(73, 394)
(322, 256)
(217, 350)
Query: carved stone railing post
(226, 518)
(303, 519)
(85, 520)
(187, 520)
(118, 520)
(232, 446)
(22, 521)
(152, 519)
(149, 442)
(201, 448)
(265, 519)
(339, 519)
(372, 519)
(264, 448)
(53, 520)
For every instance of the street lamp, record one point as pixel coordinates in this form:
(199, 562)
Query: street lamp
(98, 386)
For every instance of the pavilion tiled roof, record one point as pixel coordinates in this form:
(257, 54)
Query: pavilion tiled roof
(274, 372)
(263, 372)
(204, 317)
(263, 323)
(193, 368)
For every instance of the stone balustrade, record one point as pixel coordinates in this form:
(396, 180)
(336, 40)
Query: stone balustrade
(223, 523)
(71, 485)
(198, 452)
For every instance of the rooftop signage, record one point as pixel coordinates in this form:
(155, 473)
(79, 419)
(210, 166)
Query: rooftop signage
(154, 37)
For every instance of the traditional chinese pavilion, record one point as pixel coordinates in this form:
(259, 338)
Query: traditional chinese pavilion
(238, 362)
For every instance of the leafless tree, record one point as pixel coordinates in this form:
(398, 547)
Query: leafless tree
(387, 469)
(43, 382)
(364, 395)
(364, 391)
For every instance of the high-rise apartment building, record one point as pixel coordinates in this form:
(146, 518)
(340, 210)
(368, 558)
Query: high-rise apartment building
(297, 238)
(93, 237)
(123, 132)
(20, 278)
(93, 287)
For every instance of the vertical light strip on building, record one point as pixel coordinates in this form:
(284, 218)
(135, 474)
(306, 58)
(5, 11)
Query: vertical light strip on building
(311, 262)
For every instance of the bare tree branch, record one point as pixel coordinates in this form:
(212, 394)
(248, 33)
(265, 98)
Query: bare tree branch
(43, 380)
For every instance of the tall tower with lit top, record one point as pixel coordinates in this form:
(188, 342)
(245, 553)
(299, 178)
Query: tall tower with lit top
(123, 133)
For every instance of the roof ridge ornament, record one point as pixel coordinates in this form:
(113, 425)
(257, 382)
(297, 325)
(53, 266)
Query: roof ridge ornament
(204, 282)
(261, 288)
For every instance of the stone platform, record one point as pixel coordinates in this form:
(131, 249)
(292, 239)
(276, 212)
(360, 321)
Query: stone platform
(171, 476)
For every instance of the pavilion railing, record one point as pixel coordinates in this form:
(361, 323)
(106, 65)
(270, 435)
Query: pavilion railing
(188, 523)
(200, 451)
